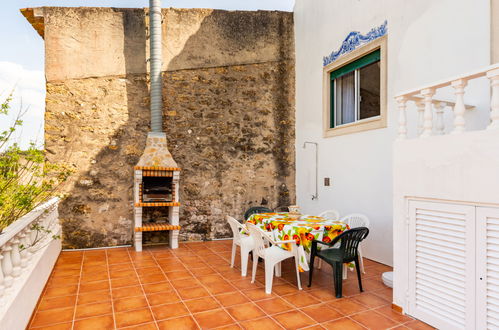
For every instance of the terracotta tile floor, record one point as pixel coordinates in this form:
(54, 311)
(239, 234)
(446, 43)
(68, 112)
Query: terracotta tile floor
(194, 287)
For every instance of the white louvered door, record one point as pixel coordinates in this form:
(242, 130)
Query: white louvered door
(487, 263)
(442, 264)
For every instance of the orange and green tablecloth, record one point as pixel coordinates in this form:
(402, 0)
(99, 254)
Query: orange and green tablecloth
(303, 230)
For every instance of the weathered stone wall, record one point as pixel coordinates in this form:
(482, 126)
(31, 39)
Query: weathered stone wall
(228, 114)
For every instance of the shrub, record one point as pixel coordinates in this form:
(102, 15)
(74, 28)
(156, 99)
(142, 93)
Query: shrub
(26, 178)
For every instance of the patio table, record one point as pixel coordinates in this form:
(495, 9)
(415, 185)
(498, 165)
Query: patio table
(303, 231)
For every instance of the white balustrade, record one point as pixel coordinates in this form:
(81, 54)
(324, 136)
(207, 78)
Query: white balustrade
(430, 111)
(22, 239)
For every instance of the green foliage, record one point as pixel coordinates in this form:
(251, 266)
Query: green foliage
(26, 178)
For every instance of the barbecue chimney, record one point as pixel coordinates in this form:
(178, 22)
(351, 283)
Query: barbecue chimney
(156, 175)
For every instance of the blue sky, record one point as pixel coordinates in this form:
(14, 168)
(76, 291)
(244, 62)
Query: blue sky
(22, 51)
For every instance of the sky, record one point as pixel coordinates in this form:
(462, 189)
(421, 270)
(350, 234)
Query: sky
(22, 53)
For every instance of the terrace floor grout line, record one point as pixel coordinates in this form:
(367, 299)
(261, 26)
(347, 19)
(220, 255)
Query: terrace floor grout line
(110, 289)
(77, 291)
(355, 321)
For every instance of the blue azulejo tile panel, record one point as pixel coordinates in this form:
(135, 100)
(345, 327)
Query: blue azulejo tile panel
(355, 39)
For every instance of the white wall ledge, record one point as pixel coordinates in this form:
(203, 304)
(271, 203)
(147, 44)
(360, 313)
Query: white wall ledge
(27, 257)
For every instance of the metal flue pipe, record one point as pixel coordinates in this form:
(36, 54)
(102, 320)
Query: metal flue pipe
(155, 63)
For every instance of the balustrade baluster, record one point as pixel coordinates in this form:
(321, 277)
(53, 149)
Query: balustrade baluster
(52, 223)
(23, 249)
(42, 223)
(459, 107)
(494, 99)
(402, 101)
(428, 112)
(439, 110)
(420, 106)
(27, 243)
(7, 265)
(16, 257)
(35, 233)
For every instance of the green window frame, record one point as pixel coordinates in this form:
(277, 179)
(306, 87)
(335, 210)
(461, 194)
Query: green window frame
(348, 68)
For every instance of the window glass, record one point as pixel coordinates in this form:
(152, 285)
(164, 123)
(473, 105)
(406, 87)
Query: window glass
(345, 99)
(355, 90)
(369, 77)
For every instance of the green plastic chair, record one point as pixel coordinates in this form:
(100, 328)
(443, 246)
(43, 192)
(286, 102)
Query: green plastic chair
(256, 209)
(281, 209)
(336, 257)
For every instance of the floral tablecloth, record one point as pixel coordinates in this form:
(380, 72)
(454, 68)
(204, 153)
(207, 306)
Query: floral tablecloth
(303, 231)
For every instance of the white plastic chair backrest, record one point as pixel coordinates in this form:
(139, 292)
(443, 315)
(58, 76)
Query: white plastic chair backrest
(236, 228)
(356, 220)
(330, 215)
(257, 235)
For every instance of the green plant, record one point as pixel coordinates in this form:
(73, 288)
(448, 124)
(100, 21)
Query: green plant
(26, 178)
(40, 233)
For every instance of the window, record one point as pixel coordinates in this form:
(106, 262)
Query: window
(355, 92)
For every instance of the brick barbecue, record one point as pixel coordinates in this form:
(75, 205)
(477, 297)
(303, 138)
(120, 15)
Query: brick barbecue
(156, 185)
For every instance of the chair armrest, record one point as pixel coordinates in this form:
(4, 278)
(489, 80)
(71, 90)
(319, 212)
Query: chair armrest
(314, 245)
(242, 230)
(267, 236)
(321, 242)
(293, 245)
(284, 242)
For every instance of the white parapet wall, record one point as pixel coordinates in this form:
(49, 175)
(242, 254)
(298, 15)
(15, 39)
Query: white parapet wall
(28, 251)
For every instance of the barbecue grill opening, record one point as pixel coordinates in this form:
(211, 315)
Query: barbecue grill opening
(157, 189)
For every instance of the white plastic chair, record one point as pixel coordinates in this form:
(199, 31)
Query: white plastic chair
(355, 220)
(273, 256)
(245, 242)
(330, 215)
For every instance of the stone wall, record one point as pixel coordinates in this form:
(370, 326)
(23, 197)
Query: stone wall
(228, 114)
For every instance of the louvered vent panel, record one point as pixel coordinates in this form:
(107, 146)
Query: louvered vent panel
(492, 224)
(440, 266)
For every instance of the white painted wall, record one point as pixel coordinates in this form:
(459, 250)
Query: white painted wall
(428, 40)
(460, 169)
